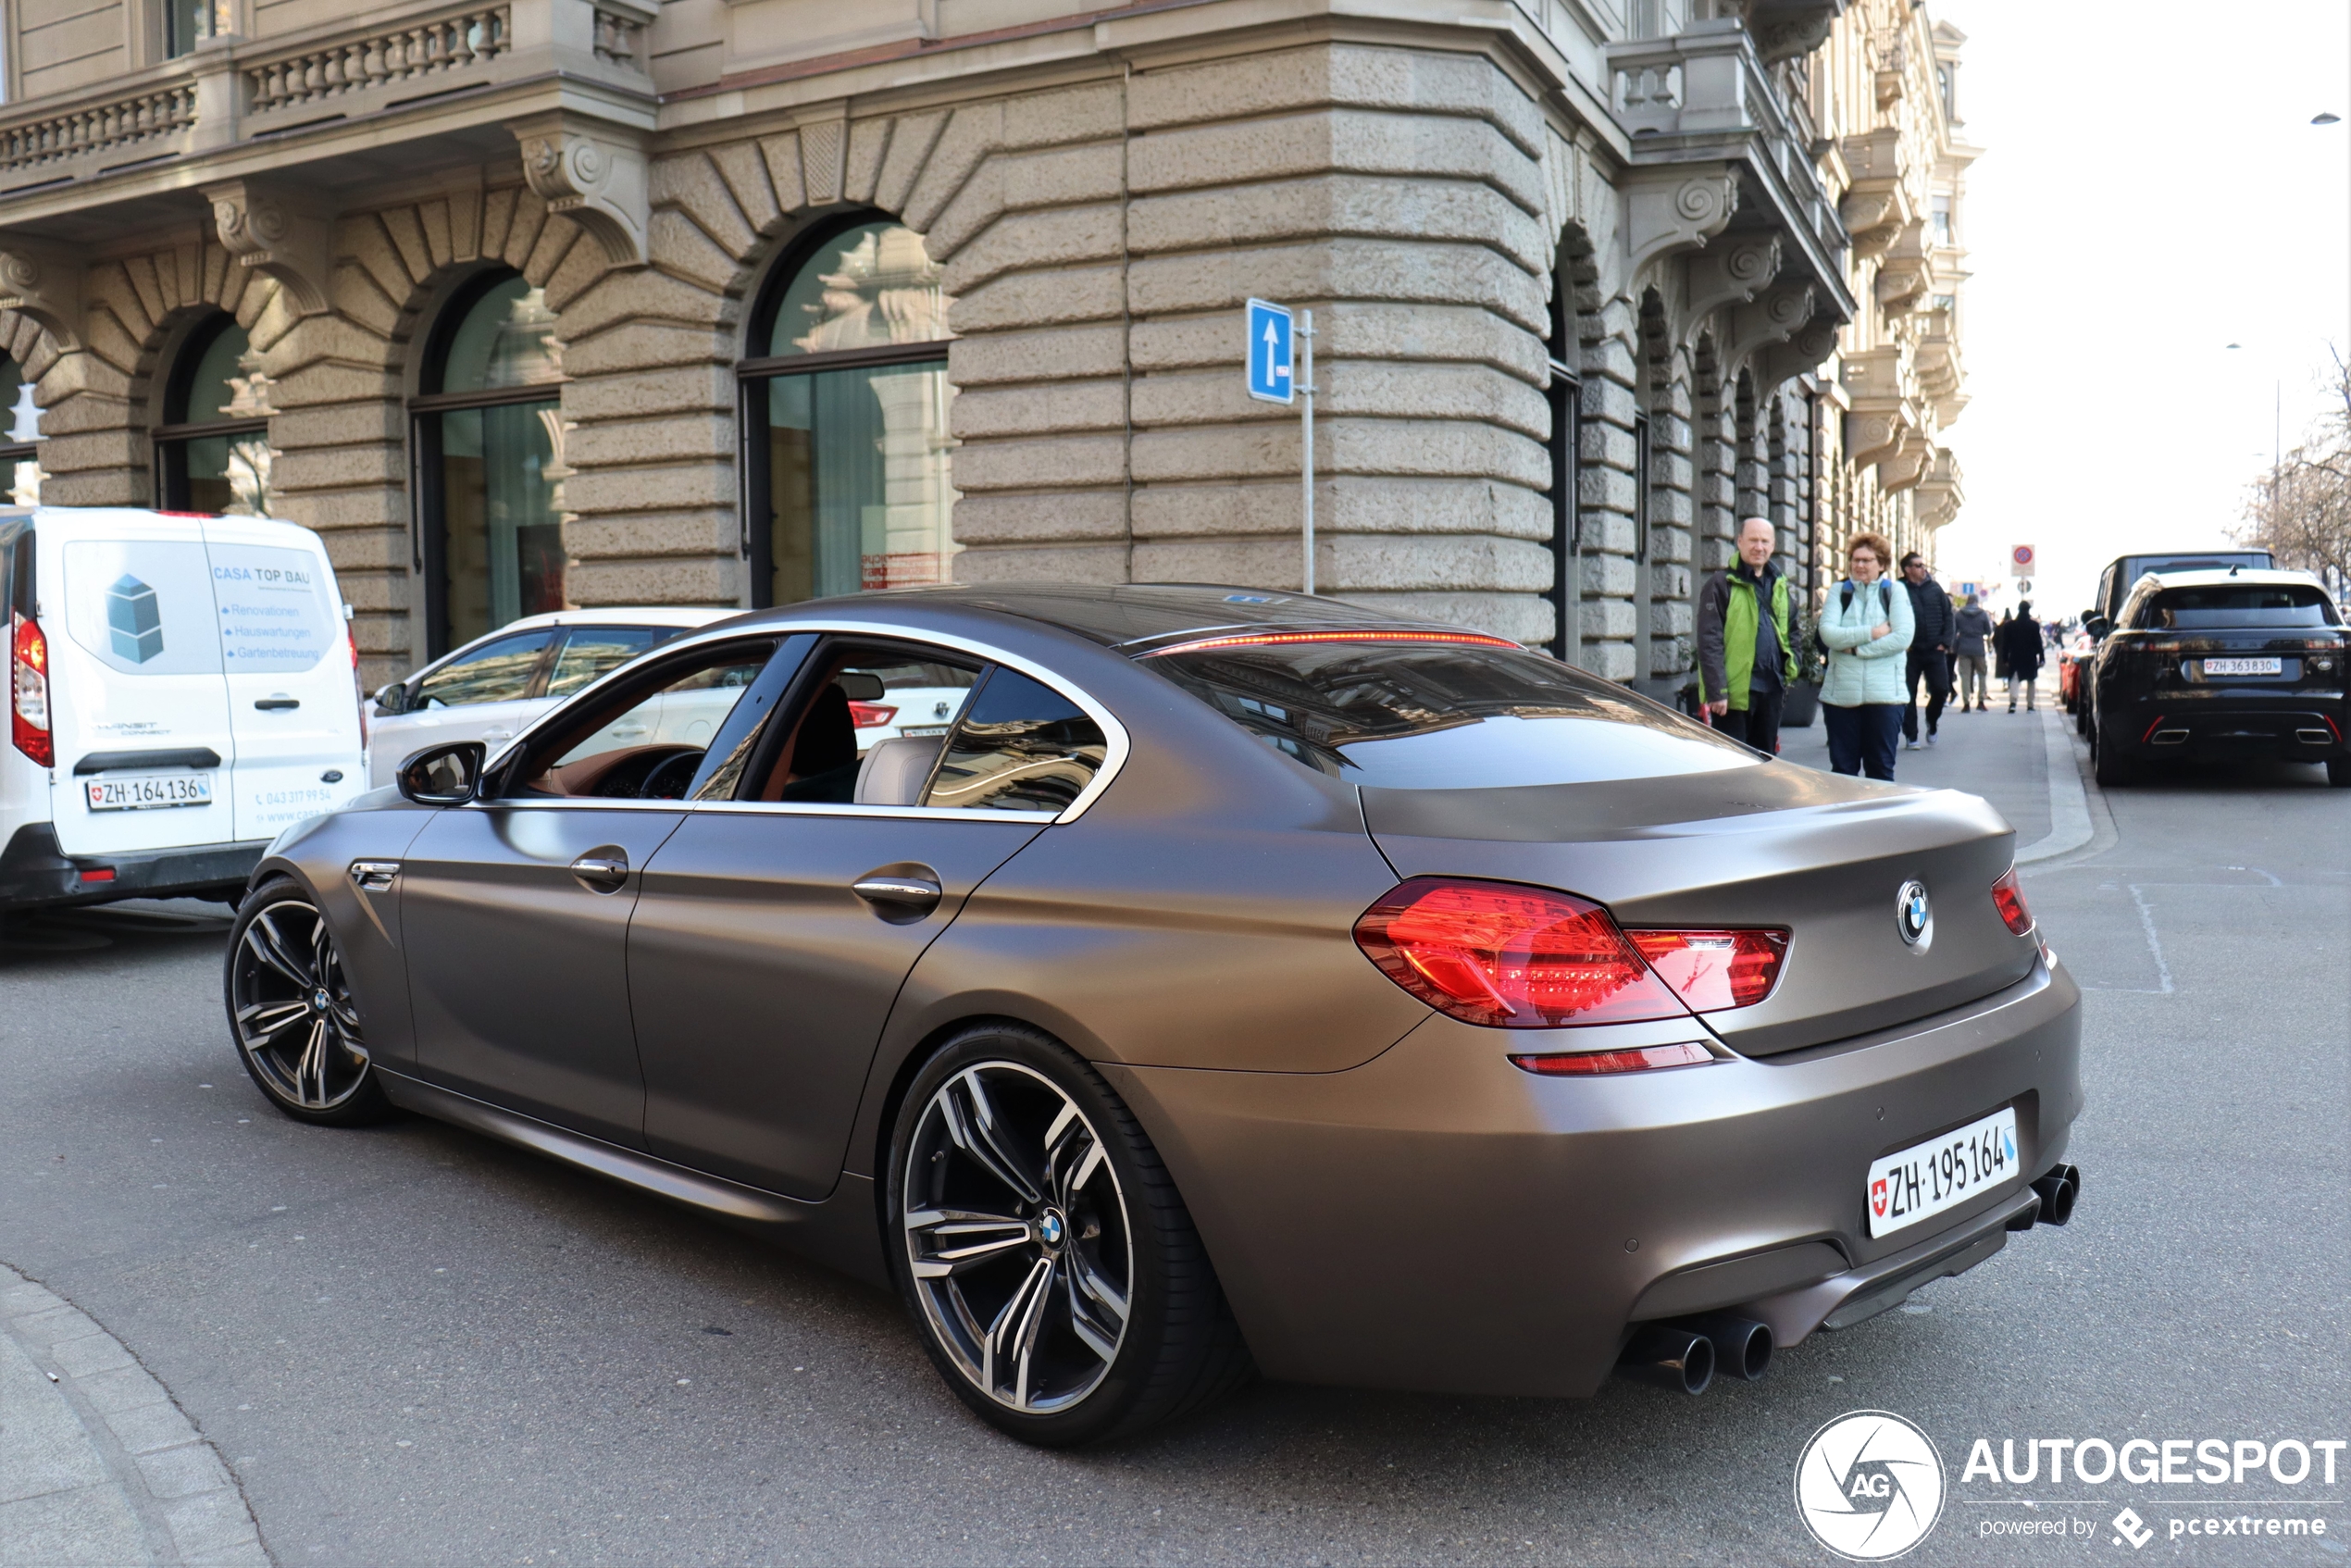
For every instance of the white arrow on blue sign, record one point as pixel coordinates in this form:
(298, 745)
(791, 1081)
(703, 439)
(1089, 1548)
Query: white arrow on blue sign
(1270, 379)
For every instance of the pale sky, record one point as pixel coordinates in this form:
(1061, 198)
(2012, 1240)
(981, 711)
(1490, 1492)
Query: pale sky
(2151, 190)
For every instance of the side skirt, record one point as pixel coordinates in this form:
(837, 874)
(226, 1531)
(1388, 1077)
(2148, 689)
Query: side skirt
(841, 1231)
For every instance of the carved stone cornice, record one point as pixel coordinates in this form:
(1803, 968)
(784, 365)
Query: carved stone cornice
(1785, 29)
(1903, 468)
(1774, 318)
(594, 173)
(1906, 273)
(281, 231)
(1876, 206)
(43, 282)
(1677, 207)
(1807, 348)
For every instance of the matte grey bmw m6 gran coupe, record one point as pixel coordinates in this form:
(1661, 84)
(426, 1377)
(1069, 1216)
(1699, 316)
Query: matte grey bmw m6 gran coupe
(1197, 981)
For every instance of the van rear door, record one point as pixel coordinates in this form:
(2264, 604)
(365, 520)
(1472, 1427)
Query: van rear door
(138, 703)
(293, 709)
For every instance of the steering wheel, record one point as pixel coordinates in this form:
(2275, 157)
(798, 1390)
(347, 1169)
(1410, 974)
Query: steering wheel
(669, 778)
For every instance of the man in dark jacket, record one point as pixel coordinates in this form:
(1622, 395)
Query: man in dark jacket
(1745, 652)
(2022, 648)
(1930, 654)
(1973, 628)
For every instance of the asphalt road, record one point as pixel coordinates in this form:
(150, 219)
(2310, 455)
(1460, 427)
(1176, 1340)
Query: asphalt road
(416, 1346)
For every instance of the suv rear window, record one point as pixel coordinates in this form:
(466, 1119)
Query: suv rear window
(1419, 715)
(2236, 605)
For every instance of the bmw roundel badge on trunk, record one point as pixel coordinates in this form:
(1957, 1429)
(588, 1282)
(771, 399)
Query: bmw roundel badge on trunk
(1913, 917)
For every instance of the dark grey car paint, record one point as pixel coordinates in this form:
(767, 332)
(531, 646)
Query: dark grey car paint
(1386, 1198)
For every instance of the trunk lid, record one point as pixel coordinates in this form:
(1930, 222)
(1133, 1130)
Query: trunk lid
(1770, 845)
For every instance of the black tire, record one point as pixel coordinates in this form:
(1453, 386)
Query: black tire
(1177, 1348)
(2339, 772)
(292, 1015)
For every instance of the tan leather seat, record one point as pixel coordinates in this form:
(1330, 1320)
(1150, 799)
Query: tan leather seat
(894, 772)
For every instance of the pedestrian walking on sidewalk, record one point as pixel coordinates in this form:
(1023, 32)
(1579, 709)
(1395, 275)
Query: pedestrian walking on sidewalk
(1866, 627)
(1746, 654)
(1971, 626)
(1929, 653)
(2021, 650)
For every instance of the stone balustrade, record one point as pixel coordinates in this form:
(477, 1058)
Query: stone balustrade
(428, 55)
(88, 137)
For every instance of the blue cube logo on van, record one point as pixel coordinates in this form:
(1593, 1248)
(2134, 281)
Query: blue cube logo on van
(134, 623)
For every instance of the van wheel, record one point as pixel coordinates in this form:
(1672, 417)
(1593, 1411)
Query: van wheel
(290, 1010)
(1042, 1247)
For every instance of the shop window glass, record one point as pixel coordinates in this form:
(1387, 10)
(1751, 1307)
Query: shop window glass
(850, 486)
(212, 451)
(489, 442)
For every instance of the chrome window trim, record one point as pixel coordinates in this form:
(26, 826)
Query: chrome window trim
(826, 808)
(1116, 746)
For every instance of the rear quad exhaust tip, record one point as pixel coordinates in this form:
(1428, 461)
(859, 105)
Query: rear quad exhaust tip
(1742, 1346)
(2059, 1190)
(1670, 1356)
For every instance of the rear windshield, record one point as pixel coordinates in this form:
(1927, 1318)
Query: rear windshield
(2228, 605)
(1404, 715)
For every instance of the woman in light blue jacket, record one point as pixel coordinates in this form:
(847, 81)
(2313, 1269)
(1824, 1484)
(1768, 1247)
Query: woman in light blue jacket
(1867, 626)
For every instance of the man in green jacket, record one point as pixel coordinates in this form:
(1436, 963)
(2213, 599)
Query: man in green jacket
(1746, 656)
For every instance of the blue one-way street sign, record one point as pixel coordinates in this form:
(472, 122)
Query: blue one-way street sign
(1269, 352)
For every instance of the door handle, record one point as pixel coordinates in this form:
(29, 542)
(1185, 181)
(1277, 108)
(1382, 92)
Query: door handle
(603, 871)
(899, 893)
(275, 704)
(497, 734)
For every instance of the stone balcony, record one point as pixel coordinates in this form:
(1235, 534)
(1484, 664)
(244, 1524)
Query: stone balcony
(330, 105)
(1701, 98)
(1940, 494)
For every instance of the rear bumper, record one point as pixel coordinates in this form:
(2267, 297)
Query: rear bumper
(34, 872)
(2205, 729)
(1437, 1219)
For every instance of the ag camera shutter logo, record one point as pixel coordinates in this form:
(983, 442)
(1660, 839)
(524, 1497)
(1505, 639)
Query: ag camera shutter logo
(1869, 1485)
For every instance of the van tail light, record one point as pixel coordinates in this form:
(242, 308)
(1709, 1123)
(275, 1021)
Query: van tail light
(1712, 970)
(1510, 957)
(870, 715)
(2010, 895)
(28, 692)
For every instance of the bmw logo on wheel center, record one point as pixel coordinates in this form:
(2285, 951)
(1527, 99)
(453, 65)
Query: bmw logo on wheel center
(1869, 1484)
(1913, 916)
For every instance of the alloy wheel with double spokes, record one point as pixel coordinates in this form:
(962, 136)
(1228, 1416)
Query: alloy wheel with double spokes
(291, 1005)
(1017, 1237)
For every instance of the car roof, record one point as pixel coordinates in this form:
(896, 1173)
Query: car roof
(1132, 617)
(2264, 576)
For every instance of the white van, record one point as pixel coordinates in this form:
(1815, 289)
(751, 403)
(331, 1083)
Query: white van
(181, 689)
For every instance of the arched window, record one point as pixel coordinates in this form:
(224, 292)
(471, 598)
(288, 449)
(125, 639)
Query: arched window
(19, 428)
(488, 442)
(1567, 405)
(845, 398)
(212, 450)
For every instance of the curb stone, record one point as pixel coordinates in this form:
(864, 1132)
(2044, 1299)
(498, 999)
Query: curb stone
(104, 1470)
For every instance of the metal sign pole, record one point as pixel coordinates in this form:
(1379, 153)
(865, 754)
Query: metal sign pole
(1306, 463)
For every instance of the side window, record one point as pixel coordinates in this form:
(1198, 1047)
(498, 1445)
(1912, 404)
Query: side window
(495, 672)
(590, 652)
(1020, 747)
(871, 733)
(646, 740)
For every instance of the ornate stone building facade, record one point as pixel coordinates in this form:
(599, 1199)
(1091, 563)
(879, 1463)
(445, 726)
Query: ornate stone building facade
(526, 303)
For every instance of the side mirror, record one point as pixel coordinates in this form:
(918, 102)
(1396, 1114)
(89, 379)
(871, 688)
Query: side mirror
(392, 698)
(2096, 624)
(447, 775)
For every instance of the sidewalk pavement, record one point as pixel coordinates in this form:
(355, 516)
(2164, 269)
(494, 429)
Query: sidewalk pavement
(98, 1468)
(2027, 765)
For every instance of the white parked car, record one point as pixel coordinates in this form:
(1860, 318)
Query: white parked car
(493, 686)
(181, 689)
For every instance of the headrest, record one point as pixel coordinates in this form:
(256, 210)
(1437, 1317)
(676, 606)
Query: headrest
(894, 771)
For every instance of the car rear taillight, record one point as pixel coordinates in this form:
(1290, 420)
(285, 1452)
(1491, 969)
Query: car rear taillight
(1712, 970)
(1639, 1059)
(2010, 896)
(28, 692)
(1510, 957)
(870, 715)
